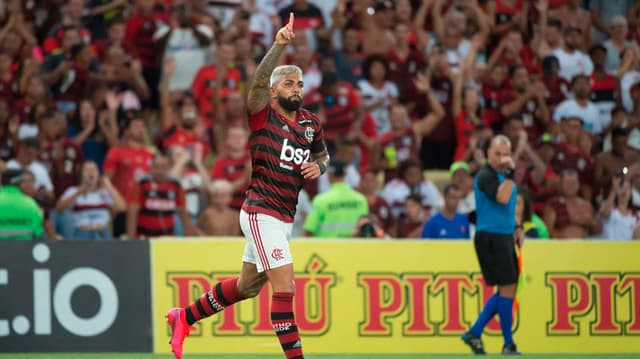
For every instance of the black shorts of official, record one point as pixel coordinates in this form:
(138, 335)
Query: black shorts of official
(497, 257)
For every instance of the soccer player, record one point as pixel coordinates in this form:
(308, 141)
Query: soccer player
(287, 148)
(495, 238)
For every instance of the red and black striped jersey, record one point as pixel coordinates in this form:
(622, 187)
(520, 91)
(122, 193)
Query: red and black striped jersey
(279, 147)
(158, 203)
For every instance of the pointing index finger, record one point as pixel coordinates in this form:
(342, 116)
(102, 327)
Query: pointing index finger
(290, 23)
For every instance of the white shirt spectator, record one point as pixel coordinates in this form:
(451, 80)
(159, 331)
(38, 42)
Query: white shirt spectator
(467, 204)
(590, 115)
(618, 227)
(383, 96)
(612, 65)
(184, 47)
(39, 171)
(629, 79)
(396, 191)
(351, 178)
(457, 55)
(191, 183)
(91, 209)
(572, 64)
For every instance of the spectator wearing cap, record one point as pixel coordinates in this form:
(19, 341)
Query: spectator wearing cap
(603, 12)
(609, 163)
(572, 60)
(581, 107)
(411, 181)
(185, 40)
(20, 216)
(448, 223)
(462, 179)
(617, 42)
(570, 154)
(336, 212)
(404, 139)
(568, 216)
(27, 158)
(605, 87)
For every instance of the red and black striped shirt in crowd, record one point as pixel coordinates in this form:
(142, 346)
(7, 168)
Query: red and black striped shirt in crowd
(339, 111)
(279, 147)
(158, 202)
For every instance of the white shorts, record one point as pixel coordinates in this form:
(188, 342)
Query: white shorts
(267, 241)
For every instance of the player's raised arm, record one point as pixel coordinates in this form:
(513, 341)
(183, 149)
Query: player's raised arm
(258, 94)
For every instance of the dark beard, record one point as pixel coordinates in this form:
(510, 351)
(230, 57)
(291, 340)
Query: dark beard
(188, 125)
(292, 103)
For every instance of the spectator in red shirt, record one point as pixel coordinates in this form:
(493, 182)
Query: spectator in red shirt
(115, 37)
(308, 16)
(9, 88)
(235, 164)
(141, 26)
(180, 125)
(154, 201)
(495, 94)
(338, 105)
(405, 62)
(221, 75)
(126, 163)
(605, 88)
(528, 100)
(35, 93)
(557, 87)
(72, 14)
(468, 117)
(410, 223)
(570, 155)
(377, 205)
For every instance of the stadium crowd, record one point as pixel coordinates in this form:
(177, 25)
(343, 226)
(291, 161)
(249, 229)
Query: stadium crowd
(127, 117)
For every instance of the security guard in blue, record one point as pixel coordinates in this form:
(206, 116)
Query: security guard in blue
(495, 240)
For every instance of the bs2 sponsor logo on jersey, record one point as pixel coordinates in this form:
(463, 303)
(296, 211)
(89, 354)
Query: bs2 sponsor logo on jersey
(290, 153)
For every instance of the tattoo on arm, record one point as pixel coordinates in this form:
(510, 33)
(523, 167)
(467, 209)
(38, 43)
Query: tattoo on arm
(258, 94)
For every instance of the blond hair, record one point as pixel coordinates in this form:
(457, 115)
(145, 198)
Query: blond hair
(281, 71)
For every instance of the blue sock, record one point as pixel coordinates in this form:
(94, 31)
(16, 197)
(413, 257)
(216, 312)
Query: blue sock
(489, 310)
(505, 311)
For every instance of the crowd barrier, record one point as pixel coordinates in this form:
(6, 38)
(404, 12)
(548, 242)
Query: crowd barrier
(351, 297)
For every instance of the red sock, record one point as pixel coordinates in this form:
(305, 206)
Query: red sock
(285, 325)
(222, 295)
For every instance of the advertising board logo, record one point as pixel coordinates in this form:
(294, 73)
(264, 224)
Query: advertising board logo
(54, 301)
(312, 301)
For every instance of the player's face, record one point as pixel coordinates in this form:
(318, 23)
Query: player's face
(289, 92)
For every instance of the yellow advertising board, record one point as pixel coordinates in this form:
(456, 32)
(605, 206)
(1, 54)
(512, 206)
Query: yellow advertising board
(409, 297)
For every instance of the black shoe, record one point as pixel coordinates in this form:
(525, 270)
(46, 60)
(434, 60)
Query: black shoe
(510, 349)
(475, 343)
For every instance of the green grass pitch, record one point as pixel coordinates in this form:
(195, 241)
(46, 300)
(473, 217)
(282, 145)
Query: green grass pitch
(318, 356)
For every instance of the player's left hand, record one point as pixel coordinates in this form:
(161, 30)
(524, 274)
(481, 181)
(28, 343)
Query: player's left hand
(310, 170)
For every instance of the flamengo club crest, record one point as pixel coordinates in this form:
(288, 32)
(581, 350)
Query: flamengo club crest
(308, 134)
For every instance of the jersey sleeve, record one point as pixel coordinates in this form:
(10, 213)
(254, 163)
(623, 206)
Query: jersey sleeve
(488, 183)
(318, 144)
(259, 119)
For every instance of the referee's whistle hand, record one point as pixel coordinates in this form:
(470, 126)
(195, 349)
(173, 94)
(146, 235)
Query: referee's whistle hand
(310, 170)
